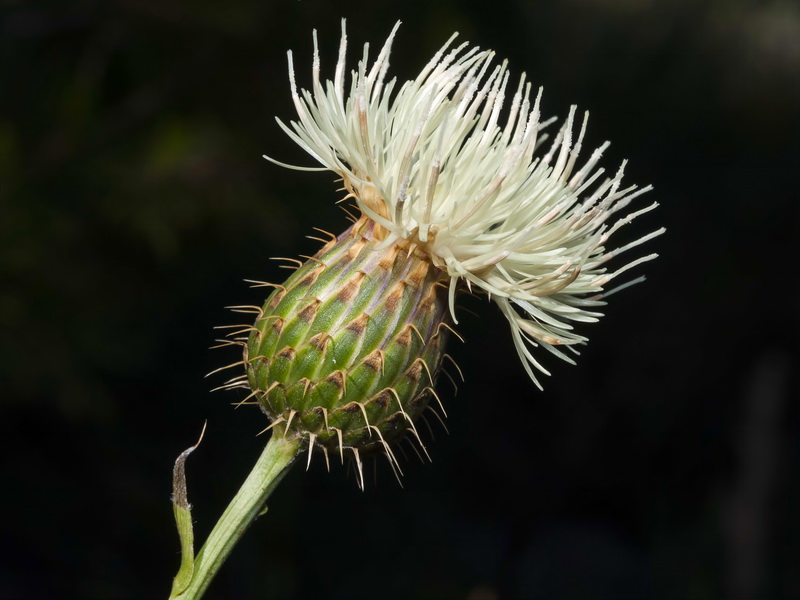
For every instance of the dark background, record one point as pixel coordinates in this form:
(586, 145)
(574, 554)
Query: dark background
(134, 200)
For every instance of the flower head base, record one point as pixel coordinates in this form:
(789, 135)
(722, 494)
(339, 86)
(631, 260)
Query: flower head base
(431, 163)
(345, 353)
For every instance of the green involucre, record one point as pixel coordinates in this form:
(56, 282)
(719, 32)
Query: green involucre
(346, 352)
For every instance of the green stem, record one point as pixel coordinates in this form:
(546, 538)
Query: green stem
(245, 507)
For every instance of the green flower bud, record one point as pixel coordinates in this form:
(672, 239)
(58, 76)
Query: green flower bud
(345, 353)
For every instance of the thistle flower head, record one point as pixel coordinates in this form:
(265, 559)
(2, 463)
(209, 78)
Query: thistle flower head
(489, 199)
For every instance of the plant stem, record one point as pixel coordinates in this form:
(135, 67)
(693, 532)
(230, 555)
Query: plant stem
(245, 507)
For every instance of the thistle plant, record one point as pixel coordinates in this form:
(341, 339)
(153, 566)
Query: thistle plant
(343, 356)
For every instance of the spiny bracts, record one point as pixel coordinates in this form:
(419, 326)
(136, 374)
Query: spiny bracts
(345, 353)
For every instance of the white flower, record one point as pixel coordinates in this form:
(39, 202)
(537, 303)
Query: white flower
(432, 163)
